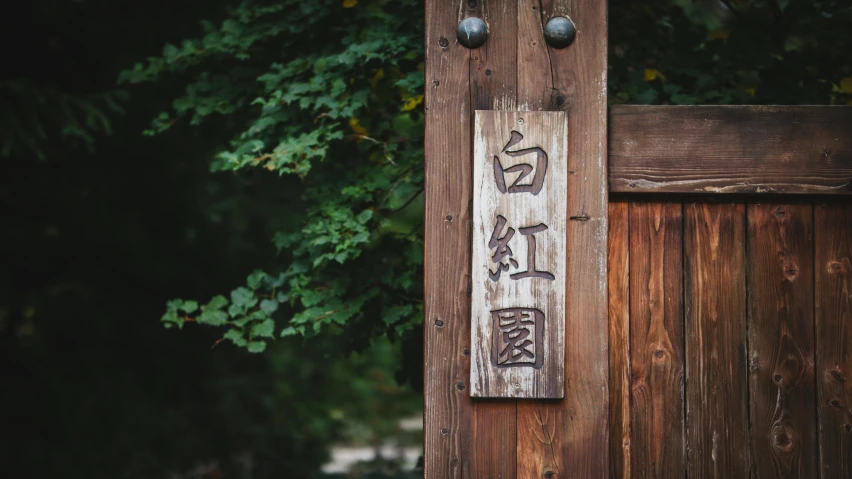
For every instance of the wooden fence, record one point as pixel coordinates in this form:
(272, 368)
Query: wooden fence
(708, 284)
(730, 337)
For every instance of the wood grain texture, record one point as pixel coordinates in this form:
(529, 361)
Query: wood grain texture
(518, 301)
(715, 327)
(731, 149)
(541, 425)
(781, 339)
(580, 88)
(495, 439)
(833, 297)
(619, 340)
(578, 425)
(493, 85)
(448, 418)
(656, 339)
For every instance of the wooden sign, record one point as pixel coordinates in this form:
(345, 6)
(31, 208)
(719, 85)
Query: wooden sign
(520, 177)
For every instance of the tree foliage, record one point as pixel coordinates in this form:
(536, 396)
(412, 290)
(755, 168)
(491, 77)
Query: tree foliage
(330, 92)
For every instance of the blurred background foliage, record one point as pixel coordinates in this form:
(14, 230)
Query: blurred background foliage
(266, 167)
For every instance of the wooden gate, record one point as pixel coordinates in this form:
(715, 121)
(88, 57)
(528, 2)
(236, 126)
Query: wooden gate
(708, 326)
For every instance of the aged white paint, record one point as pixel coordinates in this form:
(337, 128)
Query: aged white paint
(548, 131)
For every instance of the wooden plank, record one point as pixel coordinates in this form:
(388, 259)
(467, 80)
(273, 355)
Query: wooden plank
(781, 339)
(656, 339)
(833, 297)
(448, 411)
(570, 438)
(715, 316)
(518, 306)
(619, 340)
(493, 85)
(579, 87)
(495, 439)
(540, 424)
(731, 149)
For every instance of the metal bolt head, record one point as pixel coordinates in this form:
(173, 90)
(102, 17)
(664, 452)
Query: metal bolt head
(559, 32)
(472, 32)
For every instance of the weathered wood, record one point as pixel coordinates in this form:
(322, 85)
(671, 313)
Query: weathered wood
(493, 85)
(540, 425)
(656, 339)
(448, 420)
(579, 87)
(493, 67)
(577, 84)
(731, 149)
(518, 304)
(833, 297)
(715, 316)
(781, 339)
(619, 340)
(495, 438)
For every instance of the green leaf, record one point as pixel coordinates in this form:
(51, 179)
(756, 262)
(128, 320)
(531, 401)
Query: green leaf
(213, 317)
(255, 279)
(288, 331)
(256, 347)
(242, 321)
(236, 337)
(265, 329)
(269, 306)
(189, 307)
(171, 319)
(217, 302)
(243, 298)
(365, 216)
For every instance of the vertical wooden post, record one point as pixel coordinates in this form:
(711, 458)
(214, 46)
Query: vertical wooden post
(515, 69)
(448, 426)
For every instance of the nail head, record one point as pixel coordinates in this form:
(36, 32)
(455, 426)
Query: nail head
(560, 32)
(472, 32)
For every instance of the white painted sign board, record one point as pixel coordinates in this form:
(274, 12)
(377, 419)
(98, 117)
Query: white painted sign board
(520, 176)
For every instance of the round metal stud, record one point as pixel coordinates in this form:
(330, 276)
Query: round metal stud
(559, 32)
(472, 32)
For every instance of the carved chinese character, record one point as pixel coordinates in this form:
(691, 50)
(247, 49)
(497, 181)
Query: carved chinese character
(503, 251)
(531, 272)
(524, 169)
(517, 338)
(502, 256)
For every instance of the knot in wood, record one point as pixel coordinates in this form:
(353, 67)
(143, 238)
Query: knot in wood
(839, 267)
(783, 441)
(835, 375)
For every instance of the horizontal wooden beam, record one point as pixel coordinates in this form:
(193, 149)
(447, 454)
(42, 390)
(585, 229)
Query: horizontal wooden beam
(730, 149)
